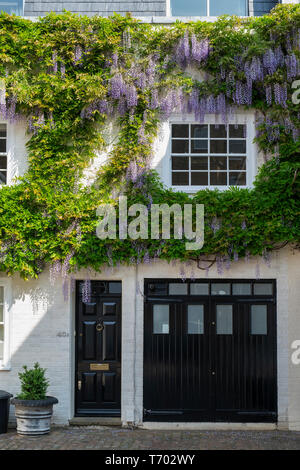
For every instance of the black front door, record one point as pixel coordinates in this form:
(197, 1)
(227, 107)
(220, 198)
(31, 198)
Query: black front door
(98, 350)
(210, 352)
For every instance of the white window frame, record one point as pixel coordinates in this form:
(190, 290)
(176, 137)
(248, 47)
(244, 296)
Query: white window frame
(246, 118)
(5, 363)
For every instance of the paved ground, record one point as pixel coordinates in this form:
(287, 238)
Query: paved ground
(92, 437)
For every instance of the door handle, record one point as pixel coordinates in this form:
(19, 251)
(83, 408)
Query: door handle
(79, 385)
(99, 326)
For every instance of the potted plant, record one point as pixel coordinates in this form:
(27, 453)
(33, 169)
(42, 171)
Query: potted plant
(33, 408)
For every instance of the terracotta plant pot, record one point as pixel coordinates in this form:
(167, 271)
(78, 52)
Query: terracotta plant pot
(34, 416)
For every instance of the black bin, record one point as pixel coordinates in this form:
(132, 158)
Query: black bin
(4, 410)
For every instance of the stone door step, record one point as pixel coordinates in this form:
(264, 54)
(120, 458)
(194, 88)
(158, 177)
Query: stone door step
(92, 421)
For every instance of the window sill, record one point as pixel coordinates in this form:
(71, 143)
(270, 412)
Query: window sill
(5, 368)
(195, 189)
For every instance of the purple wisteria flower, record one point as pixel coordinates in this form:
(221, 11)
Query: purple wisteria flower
(54, 271)
(154, 102)
(269, 95)
(122, 106)
(270, 62)
(78, 54)
(86, 291)
(292, 66)
(280, 94)
(200, 49)
(131, 96)
(182, 50)
(117, 86)
(115, 59)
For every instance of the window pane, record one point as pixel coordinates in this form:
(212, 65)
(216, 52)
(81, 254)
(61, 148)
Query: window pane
(241, 289)
(237, 146)
(160, 319)
(218, 179)
(237, 163)
(237, 178)
(180, 146)
(11, 7)
(1, 332)
(224, 319)
(180, 130)
(1, 313)
(188, 8)
(3, 145)
(259, 320)
(177, 289)
(2, 130)
(195, 319)
(263, 289)
(2, 177)
(199, 146)
(1, 295)
(115, 287)
(218, 146)
(199, 163)
(157, 288)
(220, 289)
(180, 179)
(199, 179)
(218, 130)
(1, 350)
(3, 163)
(199, 131)
(199, 289)
(180, 163)
(237, 131)
(230, 7)
(218, 163)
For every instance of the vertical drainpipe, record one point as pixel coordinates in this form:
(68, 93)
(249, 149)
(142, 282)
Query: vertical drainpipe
(134, 347)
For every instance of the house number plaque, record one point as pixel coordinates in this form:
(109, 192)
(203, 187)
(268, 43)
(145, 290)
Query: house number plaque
(99, 366)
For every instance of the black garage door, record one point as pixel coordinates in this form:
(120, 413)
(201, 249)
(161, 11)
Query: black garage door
(210, 351)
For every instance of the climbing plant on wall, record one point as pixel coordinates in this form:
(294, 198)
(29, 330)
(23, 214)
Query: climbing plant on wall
(68, 77)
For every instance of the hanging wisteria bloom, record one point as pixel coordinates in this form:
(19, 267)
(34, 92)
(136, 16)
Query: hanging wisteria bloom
(86, 291)
(292, 66)
(54, 271)
(280, 94)
(77, 55)
(154, 102)
(270, 62)
(131, 96)
(117, 86)
(182, 50)
(151, 71)
(200, 49)
(269, 95)
(115, 59)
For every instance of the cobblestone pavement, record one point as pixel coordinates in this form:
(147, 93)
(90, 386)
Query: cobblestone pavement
(98, 438)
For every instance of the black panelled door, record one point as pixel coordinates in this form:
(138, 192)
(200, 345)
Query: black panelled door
(209, 357)
(98, 350)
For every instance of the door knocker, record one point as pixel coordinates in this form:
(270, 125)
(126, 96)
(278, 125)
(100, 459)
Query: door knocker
(99, 326)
